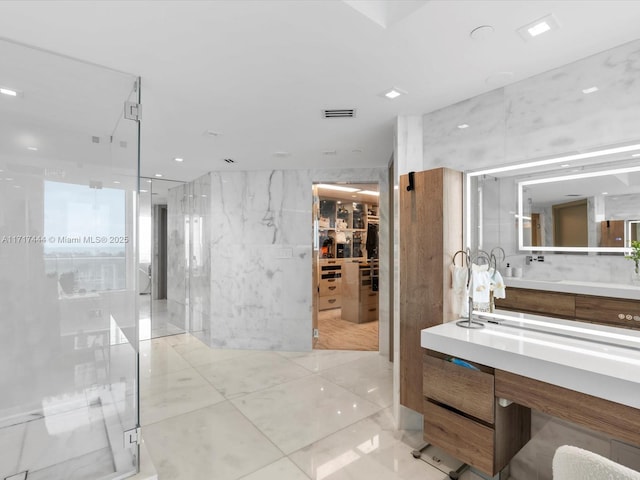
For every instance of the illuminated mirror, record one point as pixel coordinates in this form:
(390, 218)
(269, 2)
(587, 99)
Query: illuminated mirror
(579, 202)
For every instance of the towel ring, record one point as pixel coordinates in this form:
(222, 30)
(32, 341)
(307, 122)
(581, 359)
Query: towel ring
(465, 255)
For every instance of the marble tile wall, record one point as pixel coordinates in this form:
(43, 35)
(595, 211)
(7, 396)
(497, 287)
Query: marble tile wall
(177, 251)
(544, 115)
(256, 291)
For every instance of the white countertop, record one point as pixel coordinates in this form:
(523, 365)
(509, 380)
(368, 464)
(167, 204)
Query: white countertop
(594, 359)
(614, 290)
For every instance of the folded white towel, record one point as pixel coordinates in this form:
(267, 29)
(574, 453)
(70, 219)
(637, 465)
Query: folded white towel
(573, 463)
(459, 279)
(497, 285)
(480, 283)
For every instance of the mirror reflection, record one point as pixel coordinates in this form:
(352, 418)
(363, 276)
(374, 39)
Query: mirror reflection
(588, 209)
(579, 202)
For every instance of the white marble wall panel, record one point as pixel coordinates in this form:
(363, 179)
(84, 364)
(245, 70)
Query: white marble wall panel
(257, 291)
(177, 278)
(549, 114)
(541, 116)
(480, 144)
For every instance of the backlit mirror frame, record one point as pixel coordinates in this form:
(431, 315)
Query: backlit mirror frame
(523, 184)
(534, 164)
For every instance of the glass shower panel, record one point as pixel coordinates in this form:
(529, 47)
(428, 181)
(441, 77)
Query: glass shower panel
(68, 302)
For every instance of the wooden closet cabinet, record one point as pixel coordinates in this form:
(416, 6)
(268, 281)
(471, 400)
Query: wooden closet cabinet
(430, 233)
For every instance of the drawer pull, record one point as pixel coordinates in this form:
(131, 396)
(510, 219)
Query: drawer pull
(333, 287)
(331, 280)
(332, 300)
(621, 316)
(331, 261)
(373, 294)
(372, 309)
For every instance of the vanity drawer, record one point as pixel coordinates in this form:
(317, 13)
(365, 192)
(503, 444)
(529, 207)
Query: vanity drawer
(618, 312)
(334, 301)
(469, 441)
(554, 304)
(330, 286)
(469, 391)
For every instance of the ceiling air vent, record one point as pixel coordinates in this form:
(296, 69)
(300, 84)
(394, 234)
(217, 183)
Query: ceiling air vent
(229, 160)
(343, 113)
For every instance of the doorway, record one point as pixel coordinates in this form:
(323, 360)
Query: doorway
(157, 206)
(346, 266)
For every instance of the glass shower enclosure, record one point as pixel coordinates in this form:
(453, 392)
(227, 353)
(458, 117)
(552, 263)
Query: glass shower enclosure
(68, 268)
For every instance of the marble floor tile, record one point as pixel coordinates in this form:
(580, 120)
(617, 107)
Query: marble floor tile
(250, 373)
(215, 442)
(371, 377)
(204, 355)
(175, 393)
(61, 437)
(300, 412)
(157, 357)
(318, 360)
(185, 339)
(11, 442)
(364, 450)
(283, 469)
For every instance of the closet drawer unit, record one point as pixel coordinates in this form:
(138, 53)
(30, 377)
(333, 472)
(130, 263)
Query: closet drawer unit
(330, 286)
(465, 439)
(368, 313)
(367, 297)
(467, 390)
(325, 303)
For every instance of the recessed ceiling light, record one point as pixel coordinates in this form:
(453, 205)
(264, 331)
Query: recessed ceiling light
(116, 182)
(178, 159)
(538, 27)
(565, 165)
(462, 126)
(394, 93)
(8, 92)
(636, 155)
(158, 175)
(605, 193)
(281, 154)
(339, 188)
(590, 90)
(33, 149)
(9, 179)
(369, 192)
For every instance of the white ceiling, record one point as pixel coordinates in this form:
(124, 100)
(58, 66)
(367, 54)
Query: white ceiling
(260, 72)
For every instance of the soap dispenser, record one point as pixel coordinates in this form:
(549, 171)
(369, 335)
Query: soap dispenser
(508, 271)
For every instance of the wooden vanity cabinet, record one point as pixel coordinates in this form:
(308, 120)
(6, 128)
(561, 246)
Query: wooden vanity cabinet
(462, 415)
(617, 312)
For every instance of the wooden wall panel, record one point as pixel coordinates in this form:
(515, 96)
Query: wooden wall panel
(430, 232)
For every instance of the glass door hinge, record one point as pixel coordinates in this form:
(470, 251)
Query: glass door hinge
(132, 111)
(132, 437)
